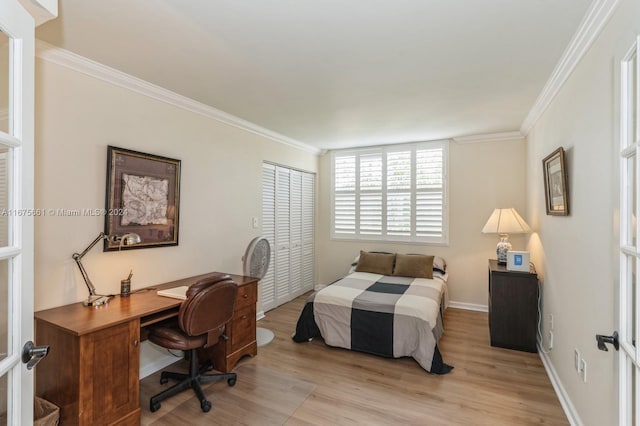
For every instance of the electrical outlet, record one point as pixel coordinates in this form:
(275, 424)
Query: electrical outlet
(550, 344)
(583, 369)
(576, 359)
(255, 222)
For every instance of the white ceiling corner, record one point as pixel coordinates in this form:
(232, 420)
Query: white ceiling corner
(110, 75)
(596, 17)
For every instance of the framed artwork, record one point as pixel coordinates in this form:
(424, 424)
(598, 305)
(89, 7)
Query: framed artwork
(143, 196)
(555, 183)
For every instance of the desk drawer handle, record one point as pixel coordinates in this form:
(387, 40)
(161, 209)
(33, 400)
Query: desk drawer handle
(245, 296)
(244, 317)
(135, 343)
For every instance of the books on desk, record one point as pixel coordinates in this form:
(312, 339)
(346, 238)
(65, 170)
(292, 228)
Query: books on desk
(175, 292)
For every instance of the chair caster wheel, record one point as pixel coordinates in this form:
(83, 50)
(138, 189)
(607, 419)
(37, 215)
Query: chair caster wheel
(154, 407)
(163, 378)
(231, 382)
(206, 406)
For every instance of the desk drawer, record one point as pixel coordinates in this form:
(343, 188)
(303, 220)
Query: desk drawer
(243, 328)
(247, 296)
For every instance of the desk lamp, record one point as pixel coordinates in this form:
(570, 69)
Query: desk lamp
(505, 222)
(95, 299)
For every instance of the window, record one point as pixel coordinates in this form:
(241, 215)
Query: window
(391, 193)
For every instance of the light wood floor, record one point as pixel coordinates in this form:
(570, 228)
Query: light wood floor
(313, 384)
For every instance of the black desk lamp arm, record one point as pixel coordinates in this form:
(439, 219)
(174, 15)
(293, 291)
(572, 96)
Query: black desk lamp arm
(78, 258)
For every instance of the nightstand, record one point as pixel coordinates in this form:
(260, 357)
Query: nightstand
(513, 308)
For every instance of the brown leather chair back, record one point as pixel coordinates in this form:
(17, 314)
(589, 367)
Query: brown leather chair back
(208, 307)
(206, 282)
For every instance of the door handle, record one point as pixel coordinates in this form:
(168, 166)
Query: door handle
(612, 340)
(32, 355)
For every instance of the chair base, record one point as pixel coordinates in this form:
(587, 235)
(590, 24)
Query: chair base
(192, 380)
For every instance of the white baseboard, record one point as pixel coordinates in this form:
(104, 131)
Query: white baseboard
(567, 405)
(259, 315)
(468, 306)
(157, 365)
(154, 358)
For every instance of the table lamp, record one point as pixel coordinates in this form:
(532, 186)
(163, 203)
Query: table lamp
(95, 299)
(505, 222)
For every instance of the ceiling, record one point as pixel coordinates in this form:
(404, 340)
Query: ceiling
(335, 73)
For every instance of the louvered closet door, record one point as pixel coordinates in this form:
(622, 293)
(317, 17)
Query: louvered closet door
(288, 205)
(295, 222)
(267, 284)
(283, 236)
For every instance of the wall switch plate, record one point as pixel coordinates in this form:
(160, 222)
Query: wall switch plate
(583, 370)
(576, 359)
(551, 321)
(255, 222)
(550, 345)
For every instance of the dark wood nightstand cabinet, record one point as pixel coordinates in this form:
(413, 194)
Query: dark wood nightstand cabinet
(513, 308)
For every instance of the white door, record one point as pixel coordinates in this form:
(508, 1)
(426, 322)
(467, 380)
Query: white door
(16, 196)
(288, 204)
(628, 294)
(282, 251)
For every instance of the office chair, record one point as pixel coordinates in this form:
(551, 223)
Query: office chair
(200, 324)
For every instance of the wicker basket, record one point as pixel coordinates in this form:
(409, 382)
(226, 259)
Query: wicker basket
(45, 413)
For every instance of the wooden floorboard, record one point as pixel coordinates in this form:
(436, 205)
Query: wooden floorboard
(310, 383)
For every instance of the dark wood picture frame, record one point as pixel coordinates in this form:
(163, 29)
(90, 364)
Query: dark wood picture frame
(143, 197)
(555, 183)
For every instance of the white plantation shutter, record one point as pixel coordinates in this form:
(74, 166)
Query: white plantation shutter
(288, 205)
(370, 184)
(391, 193)
(429, 193)
(345, 200)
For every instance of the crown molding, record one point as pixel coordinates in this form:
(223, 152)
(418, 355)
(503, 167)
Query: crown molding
(592, 24)
(110, 75)
(488, 137)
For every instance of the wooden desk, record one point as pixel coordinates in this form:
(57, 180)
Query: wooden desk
(92, 370)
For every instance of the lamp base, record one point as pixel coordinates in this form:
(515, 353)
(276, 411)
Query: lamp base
(502, 248)
(96, 300)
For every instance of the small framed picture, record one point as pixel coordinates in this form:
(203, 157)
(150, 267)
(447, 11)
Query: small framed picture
(143, 197)
(555, 183)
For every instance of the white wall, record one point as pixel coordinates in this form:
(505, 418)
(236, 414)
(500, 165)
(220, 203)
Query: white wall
(575, 255)
(77, 116)
(483, 176)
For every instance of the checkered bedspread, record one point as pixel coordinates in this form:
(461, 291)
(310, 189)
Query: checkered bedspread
(382, 315)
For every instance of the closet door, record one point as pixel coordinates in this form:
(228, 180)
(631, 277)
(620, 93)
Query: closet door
(288, 202)
(295, 222)
(282, 247)
(267, 284)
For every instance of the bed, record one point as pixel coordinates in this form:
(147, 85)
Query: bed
(390, 306)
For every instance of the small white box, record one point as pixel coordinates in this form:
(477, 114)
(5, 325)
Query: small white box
(518, 261)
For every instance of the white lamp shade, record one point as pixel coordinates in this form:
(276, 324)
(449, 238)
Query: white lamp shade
(506, 221)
